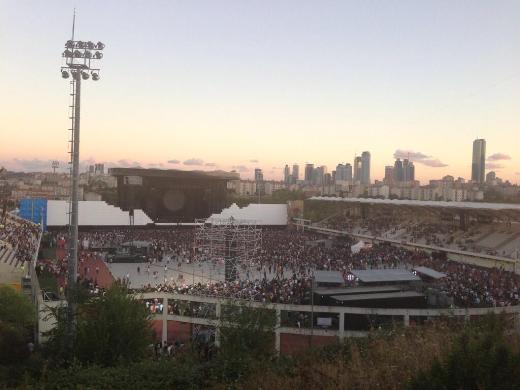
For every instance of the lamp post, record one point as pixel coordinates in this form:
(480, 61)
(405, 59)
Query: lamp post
(80, 59)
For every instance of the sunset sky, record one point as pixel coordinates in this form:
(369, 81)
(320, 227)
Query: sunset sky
(245, 84)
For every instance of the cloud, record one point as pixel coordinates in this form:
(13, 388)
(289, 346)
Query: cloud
(240, 168)
(155, 165)
(494, 166)
(193, 161)
(253, 161)
(210, 164)
(127, 163)
(499, 157)
(419, 158)
(435, 163)
(174, 162)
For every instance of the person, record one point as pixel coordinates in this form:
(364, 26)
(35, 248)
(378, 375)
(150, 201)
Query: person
(138, 269)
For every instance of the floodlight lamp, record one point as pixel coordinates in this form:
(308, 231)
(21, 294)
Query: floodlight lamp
(100, 46)
(95, 76)
(88, 54)
(64, 74)
(67, 53)
(80, 45)
(90, 45)
(85, 75)
(78, 54)
(98, 55)
(69, 44)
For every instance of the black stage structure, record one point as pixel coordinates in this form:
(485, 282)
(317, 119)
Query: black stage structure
(172, 196)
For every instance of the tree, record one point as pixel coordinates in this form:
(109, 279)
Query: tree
(480, 358)
(110, 329)
(246, 341)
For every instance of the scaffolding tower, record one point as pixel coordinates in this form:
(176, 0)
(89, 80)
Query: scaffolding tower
(234, 243)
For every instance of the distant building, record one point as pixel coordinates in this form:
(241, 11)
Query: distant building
(478, 163)
(357, 169)
(491, 178)
(295, 173)
(389, 174)
(99, 169)
(309, 172)
(287, 174)
(365, 168)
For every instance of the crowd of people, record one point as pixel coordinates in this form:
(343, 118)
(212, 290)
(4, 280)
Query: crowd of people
(21, 236)
(282, 270)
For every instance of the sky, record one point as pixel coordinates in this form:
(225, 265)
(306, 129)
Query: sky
(245, 84)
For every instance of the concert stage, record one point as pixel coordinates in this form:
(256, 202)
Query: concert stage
(169, 196)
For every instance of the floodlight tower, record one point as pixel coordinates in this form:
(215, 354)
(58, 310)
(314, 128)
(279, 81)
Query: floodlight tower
(80, 64)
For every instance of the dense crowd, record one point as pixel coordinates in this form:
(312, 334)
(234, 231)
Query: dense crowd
(21, 236)
(282, 269)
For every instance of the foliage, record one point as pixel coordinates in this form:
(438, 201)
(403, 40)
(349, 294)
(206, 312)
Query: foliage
(15, 308)
(247, 342)
(110, 329)
(16, 318)
(482, 357)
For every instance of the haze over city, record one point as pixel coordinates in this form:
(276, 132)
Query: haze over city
(226, 85)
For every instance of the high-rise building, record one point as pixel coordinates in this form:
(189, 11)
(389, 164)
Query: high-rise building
(408, 170)
(365, 168)
(398, 171)
(389, 174)
(318, 175)
(344, 172)
(287, 174)
(259, 176)
(99, 169)
(309, 171)
(478, 164)
(259, 182)
(491, 177)
(357, 169)
(295, 173)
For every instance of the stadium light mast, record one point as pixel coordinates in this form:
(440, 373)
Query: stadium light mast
(80, 64)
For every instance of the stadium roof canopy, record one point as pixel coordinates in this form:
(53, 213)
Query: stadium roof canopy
(328, 277)
(504, 208)
(384, 275)
(429, 272)
(388, 295)
(356, 290)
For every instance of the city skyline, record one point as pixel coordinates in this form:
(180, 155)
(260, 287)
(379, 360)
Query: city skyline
(225, 91)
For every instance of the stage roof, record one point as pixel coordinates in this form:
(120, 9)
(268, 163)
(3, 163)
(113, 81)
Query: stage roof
(470, 206)
(366, 297)
(384, 275)
(174, 173)
(430, 272)
(328, 277)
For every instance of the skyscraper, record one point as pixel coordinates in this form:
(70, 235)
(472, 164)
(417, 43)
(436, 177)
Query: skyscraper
(287, 174)
(478, 164)
(309, 169)
(389, 174)
(344, 172)
(357, 169)
(398, 170)
(365, 168)
(295, 173)
(408, 170)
